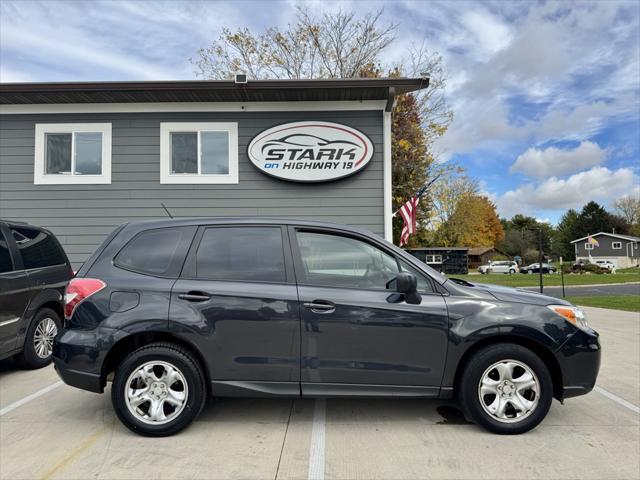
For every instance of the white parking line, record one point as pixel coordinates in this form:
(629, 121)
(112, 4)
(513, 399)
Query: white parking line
(316, 446)
(617, 399)
(28, 398)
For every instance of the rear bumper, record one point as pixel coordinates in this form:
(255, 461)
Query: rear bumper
(83, 380)
(79, 355)
(579, 359)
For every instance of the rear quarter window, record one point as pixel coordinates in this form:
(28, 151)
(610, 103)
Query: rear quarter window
(159, 252)
(37, 248)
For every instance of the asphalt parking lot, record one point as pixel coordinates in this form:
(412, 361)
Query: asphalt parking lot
(49, 430)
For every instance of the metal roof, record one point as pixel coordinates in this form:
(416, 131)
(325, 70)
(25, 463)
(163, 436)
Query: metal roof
(358, 89)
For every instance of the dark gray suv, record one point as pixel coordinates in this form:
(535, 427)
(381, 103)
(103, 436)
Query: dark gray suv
(174, 311)
(34, 272)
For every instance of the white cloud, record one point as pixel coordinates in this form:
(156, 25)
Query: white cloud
(553, 161)
(598, 183)
(490, 32)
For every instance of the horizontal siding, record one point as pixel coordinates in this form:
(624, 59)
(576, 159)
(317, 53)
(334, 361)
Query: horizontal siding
(81, 216)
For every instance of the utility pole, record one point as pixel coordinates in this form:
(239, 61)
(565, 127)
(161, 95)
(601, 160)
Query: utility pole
(540, 258)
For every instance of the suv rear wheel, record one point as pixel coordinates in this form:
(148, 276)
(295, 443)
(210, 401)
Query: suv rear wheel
(506, 388)
(158, 390)
(38, 342)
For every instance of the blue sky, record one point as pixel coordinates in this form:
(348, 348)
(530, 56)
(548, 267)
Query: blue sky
(546, 95)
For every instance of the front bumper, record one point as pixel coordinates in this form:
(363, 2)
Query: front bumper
(579, 359)
(79, 355)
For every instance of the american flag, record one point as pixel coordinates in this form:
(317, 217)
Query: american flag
(408, 212)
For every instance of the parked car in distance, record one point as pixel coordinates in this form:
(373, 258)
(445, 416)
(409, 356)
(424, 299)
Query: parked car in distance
(176, 310)
(503, 266)
(484, 269)
(34, 272)
(535, 268)
(606, 264)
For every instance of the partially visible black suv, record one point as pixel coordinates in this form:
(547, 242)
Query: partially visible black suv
(174, 311)
(34, 272)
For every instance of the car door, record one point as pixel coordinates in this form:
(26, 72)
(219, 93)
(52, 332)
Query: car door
(357, 336)
(238, 299)
(16, 289)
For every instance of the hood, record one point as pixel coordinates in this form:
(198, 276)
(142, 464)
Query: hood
(517, 295)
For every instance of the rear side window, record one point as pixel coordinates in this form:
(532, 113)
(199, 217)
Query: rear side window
(37, 248)
(158, 252)
(5, 257)
(241, 253)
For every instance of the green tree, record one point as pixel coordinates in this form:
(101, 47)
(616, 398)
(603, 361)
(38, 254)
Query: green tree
(566, 231)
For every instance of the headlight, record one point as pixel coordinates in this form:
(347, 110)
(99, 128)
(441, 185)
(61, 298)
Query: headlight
(572, 314)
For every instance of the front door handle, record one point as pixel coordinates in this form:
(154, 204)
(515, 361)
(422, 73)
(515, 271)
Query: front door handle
(320, 306)
(195, 296)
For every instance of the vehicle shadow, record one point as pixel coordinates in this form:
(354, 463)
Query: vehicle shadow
(338, 410)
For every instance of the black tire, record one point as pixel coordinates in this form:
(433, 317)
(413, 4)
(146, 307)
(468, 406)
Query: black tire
(472, 375)
(512, 271)
(177, 357)
(29, 358)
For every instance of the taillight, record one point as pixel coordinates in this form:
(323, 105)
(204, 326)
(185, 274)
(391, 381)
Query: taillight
(78, 290)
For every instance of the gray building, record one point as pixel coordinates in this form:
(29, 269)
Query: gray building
(622, 250)
(82, 158)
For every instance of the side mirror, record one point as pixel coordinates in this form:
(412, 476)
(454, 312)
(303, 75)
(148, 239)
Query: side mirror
(406, 284)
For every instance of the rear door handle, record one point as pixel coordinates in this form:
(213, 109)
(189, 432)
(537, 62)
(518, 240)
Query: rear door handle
(195, 296)
(320, 306)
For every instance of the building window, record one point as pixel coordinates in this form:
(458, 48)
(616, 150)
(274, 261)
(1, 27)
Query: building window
(588, 246)
(434, 259)
(198, 152)
(617, 245)
(72, 153)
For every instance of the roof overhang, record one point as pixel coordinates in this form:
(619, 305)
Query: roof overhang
(629, 238)
(316, 90)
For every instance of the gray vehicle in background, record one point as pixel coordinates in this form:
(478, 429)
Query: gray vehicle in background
(507, 266)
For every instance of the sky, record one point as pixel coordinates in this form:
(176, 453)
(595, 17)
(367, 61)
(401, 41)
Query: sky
(545, 95)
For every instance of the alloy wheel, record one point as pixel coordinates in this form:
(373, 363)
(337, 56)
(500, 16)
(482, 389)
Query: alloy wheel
(43, 337)
(509, 391)
(156, 393)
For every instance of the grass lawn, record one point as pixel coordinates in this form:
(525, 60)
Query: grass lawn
(525, 280)
(630, 303)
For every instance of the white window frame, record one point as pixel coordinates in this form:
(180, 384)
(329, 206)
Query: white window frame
(435, 259)
(613, 246)
(166, 177)
(588, 246)
(40, 177)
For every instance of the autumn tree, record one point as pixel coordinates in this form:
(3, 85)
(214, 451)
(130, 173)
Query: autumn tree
(342, 44)
(473, 223)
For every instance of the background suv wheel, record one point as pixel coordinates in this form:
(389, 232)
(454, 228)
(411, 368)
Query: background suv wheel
(506, 388)
(158, 390)
(38, 342)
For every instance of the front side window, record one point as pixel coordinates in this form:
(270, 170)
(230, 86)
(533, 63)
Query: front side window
(250, 254)
(73, 153)
(5, 256)
(198, 152)
(336, 261)
(38, 249)
(617, 245)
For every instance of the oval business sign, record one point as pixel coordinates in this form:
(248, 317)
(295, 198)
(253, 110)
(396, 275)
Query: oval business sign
(310, 151)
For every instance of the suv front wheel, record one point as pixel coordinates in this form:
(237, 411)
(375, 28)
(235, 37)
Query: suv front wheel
(158, 390)
(506, 388)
